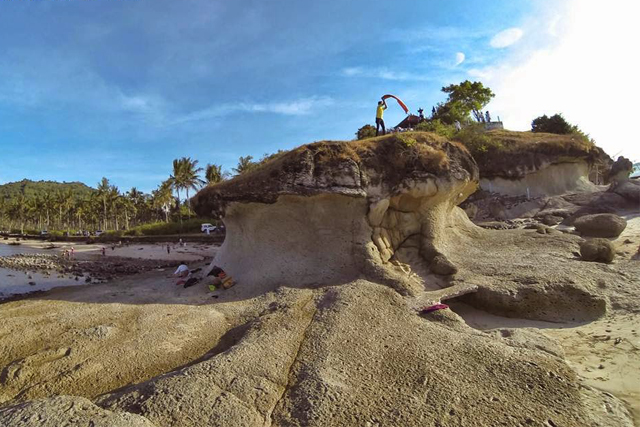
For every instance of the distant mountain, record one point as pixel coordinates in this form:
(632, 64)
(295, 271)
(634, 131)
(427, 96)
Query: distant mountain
(32, 188)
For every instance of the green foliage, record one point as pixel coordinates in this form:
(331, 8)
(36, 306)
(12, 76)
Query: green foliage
(213, 174)
(404, 139)
(166, 228)
(42, 188)
(554, 124)
(245, 164)
(462, 100)
(436, 126)
(366, 131)
(476, 140)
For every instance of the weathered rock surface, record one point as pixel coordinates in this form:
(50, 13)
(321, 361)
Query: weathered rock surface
(600, 225)
(629, 189)
(620, 169)
(344, 362)
(331, 212)
(600, 250)
(536, 164)
(67, 411)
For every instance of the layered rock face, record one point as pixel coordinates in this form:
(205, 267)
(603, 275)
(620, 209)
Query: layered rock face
(331, 212)
(536, 164)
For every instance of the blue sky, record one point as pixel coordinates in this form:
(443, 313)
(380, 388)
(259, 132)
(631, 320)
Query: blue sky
(119, 88)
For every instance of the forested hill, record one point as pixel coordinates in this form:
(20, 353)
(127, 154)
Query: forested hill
(39, 188)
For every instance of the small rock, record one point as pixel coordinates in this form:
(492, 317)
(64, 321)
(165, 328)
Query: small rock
(32, 283)
(598, 250)
(442, 266)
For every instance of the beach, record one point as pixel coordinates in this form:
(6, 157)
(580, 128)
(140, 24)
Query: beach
(28, 276)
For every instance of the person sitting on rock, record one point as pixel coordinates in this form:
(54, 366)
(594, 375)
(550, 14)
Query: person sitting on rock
(379, 113)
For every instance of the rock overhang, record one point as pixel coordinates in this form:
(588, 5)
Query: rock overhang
(330, 212)
(375, 167)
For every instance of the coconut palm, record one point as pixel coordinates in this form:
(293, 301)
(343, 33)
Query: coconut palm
(103, 191)
(162, 198)
(245, 164)
(213, 174)
(185, 176)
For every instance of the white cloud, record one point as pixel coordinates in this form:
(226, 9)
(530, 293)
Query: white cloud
(506, 38)
(586, 75)
(299, 107)
(460, 57)
(384, 74)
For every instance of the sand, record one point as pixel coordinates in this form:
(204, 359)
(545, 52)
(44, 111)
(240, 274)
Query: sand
(605, 353)
(14, 282)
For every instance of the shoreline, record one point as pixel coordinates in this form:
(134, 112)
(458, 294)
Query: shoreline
(41, 269)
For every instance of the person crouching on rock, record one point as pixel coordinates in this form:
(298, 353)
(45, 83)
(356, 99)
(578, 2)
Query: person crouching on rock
(379, 113)
(182, 273)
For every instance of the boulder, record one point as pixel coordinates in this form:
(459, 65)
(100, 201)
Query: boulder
(629, 190)
(598, 250)
(552, 220)
(620, 169)
(600, 225)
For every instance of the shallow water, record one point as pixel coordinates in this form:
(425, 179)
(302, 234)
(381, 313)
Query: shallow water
(7, 250)
(16, 282)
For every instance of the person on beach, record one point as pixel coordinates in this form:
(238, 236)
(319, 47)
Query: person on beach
(379, 114)
(104, 251)
(168, 248)
(71, 253)
(182, 271)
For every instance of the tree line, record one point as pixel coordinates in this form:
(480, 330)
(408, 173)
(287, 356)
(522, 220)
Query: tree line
(109, 208)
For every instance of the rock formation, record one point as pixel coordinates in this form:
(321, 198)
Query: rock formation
(335, 247)
(536, 164)
(331, 212)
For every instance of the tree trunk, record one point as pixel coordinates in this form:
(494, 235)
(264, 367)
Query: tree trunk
(188, 204)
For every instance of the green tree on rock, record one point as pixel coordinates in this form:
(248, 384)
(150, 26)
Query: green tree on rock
(554, 124)
(366, 131)
(463, 99)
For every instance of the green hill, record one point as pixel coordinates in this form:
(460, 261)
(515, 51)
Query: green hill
(38, 188)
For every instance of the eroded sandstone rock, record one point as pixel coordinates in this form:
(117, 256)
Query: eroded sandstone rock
(331, 212)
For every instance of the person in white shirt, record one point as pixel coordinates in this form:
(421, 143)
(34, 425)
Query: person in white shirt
(182, 271)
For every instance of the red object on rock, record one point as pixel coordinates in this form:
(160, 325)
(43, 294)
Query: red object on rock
(433, 308)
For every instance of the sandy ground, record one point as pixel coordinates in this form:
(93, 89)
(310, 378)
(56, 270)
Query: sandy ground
(14, 282)
(605, 353)
(188, 252)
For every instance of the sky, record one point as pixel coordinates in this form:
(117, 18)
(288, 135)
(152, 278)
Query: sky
(120, 88)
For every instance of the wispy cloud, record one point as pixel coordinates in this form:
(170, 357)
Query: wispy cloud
(384, 74)
(297, 107)
(506, 38)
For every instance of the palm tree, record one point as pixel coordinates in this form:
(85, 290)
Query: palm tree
(47, 203)
(162, 198)
(18, 210)
(185, 176)
(103, 192)
(59, 202)
(245, 164)
(213, 174)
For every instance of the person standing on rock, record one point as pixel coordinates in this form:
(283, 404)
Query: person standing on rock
(379, 113)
